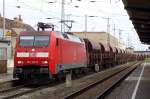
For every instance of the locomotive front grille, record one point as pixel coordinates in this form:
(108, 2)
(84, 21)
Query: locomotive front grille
(32, 70)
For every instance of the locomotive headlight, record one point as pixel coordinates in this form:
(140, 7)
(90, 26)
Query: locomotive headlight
(19, 62)
(45, 62)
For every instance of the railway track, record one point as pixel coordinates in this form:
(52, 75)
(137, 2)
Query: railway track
(12, 84)
(20, 91)
(93, 90)
(98, 90)
(13, 89)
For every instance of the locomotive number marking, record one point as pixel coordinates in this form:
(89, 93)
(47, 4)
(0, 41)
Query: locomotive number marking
(32, 54)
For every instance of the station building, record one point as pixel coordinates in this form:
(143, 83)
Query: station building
(8, 40)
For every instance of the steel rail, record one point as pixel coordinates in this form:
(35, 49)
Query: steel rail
(112, 86)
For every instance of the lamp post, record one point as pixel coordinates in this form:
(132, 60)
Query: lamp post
(3, 19)
(86, 22)
(108, 29)
(62, 15)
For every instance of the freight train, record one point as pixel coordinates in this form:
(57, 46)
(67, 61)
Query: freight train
(51, 54)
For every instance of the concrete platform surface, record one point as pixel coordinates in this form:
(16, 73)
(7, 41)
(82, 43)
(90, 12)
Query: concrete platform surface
(135, 86)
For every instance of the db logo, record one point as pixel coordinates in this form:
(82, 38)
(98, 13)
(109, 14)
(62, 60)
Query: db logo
(32, 54)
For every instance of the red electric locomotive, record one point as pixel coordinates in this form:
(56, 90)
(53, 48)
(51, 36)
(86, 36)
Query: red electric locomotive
(51, 54)
(47, 54)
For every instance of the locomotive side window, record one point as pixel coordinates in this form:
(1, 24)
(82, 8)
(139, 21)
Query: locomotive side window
(41, 41)
(74, 38)
(26, 40)
(57, 42)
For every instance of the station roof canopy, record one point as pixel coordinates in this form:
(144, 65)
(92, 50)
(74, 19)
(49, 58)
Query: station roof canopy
(139, 13)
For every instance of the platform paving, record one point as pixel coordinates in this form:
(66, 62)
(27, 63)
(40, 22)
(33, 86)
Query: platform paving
(143, 91)
(135, 86)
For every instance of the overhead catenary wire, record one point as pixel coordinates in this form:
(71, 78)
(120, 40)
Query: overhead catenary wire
(48, 12)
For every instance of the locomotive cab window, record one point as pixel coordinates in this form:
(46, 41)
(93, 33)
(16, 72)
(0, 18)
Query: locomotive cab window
(41, 41)
(26, 40)
(34, 40)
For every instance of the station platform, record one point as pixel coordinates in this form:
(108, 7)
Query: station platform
(135, 86)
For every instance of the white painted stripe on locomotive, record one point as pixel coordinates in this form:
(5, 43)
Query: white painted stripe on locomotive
(42, 54)
(22, 54)
(138, 83)
(26, 54)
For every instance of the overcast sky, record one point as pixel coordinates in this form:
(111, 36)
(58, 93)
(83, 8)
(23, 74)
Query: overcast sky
(33, 11)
